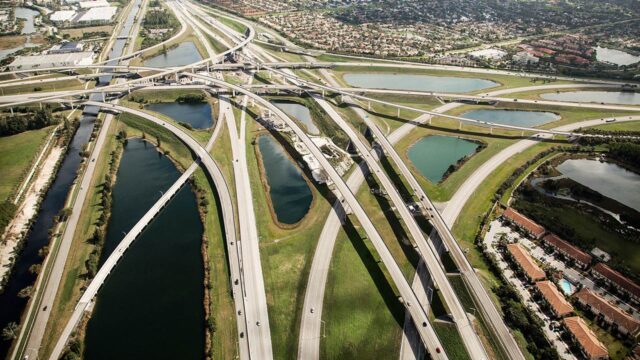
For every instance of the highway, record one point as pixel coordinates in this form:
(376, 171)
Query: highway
(256, 311)
(427, 333)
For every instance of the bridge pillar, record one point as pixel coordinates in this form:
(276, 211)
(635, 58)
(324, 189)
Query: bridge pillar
(491, 130)
(253, 102)
(522, 134)
(11, 110)
(459, 125)
(175, 74)
(369, 105)
(398, 116)
(323, 94)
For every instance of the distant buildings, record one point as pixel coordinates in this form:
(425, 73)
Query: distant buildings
(581, 258)
(617, 281)
(65, 48)
(62, 16)
(553, 299)
(51, 60)
(98, 15)
(523, 223)
(525, 263)
(525, 58)
(624, 323)
(488, 54)
(590, 347)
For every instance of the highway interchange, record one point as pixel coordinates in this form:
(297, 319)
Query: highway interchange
(249, 291)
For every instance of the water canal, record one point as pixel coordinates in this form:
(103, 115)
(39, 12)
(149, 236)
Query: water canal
(512, 117)
(300, 113)
(11, 304)
(606, 97)
(611, 180)
(417, 82)
(289, 192)
(150, 307)
(197, 115)
(432, 155)
(28, 15)
(185, 53)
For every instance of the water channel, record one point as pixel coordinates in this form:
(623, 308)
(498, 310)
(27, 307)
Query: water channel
(611, 180)
(28, 15)
(288, 190)
(183, 54)
(300, 113)
(197, 115)
(151, 305)
(417, 82)
(11, 305)
(512, 117)
(605, 97)
(432, 155)
(615, 57)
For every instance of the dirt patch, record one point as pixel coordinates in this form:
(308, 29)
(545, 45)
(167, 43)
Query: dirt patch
(10, 42)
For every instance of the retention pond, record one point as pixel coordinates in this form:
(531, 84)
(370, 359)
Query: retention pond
(512, 117)
(197, 115)
(432, 155)
(288, 190)
(417, 82)
(183, 54)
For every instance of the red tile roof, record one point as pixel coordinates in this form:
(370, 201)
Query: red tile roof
(556, 300)
(524, 221)
(526, 262)
(611, 311)
(587, 339)
(571, 250)
(618, 278)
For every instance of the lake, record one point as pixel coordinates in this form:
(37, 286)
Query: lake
(183, 54)
(197, 115)
(288, 190)
(512, 117)
(151, 306)
(300, 113)
(29, 15)
(607, 97)
(611, 180)
(417, 82)
(615, 57)
(432, 155)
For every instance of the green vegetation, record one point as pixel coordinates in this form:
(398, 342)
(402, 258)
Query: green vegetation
(20, 122)
(17, 152)
(158, 26)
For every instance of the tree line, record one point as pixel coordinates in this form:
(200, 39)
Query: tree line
(17, 123)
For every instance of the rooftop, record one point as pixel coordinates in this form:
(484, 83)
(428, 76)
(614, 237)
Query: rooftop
(526, 262)
(571, 250)
(99, 13)
(610, 310)
(587, 339)
(618, 278)
(524, 221)
(556, 300)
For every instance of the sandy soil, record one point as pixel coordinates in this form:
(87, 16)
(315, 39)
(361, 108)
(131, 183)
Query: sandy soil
(27, 209)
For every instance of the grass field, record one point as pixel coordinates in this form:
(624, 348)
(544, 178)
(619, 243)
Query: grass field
(17, 153)
(625, 126)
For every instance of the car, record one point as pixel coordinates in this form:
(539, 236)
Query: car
(312, 310)
(44, 308)
(258, 323)
(239, 312)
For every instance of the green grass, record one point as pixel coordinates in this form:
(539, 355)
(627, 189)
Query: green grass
(17, 153)
(623, 126)
(362, 316)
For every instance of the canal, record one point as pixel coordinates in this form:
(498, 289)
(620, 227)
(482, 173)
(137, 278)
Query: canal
(289, 192)
(11, 305)
(432, 155)
(198, 115)
(512, 117)
(28, 15)
(417, 82)
(151, 305)
(183, 54)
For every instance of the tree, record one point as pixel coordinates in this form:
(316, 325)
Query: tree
(10, 331)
